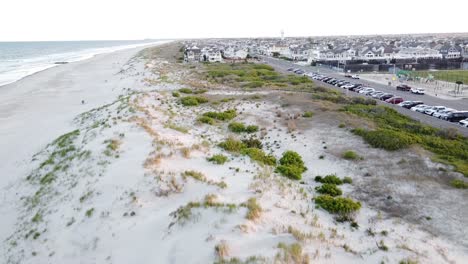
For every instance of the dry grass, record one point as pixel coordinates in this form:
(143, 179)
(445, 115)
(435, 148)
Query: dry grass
(291, 254)
(254, 209)
(222, 249)
(185, 152)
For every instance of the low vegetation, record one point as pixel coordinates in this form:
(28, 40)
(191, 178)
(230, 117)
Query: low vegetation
(330, 189)
(291, 254)
(350, 155)
(201, 177)
(344, 207)
(459, 184)
(186, 90)
(232, 145)
(254, 210)
(259, 156)
(291, 165)
(193, 100)
(238, 127)
(206, 120)
(251, 75)
(308, 114)
(218, 159)
(396, 131)
(222, 116)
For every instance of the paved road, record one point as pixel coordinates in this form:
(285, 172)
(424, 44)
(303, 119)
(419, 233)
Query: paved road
(460, 104)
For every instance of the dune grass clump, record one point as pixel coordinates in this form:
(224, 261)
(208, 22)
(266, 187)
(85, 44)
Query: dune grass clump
(175, 94)
(222, 116)
(344, 207)
(185, 90)
(259, 156)
(193, 100)
(330, 189)
(291, 254)
(232, 145)
(200, 91)
(218, 159)
(459, 184)
(331, 179)
(238, 127)
(254, 210)
(253, 143)
(291, 165)
(308, 114)
(206, 120)
(347, 180)
(350, 155)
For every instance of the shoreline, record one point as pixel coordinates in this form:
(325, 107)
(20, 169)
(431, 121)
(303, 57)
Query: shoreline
(60, 63)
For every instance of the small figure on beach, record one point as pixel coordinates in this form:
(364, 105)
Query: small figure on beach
(82, 101)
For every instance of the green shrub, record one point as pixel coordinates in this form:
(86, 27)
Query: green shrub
(459, 184)
(347, 180)
(186, 90)
(385, 139)
(222, 116)
(259, 156)
(291, 165)
(176, 94)
(339, 205)
(236, 127)
(232, 145)
(292, 158)
(200, 91)
(308, 114)
(218, 159)
(193, 100)
(330, 189)
(332, 179)
(206, 120)
(251, 129)
(292, 172)
(253, 143)
(350, 155)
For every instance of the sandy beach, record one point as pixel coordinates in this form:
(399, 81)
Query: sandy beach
(127, 177)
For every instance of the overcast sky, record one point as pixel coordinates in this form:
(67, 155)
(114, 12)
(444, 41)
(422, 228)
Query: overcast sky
(138, 19)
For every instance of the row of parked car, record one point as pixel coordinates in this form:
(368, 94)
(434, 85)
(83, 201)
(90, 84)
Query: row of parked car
(440, 112)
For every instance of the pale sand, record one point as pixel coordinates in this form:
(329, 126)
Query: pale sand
(39, 108)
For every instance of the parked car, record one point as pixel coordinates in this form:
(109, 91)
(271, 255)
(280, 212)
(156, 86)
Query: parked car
(464, 123)
(403, 87)
(366, 90)
(432, 110)
(457, 116)
(347, 75)
(347, 86)
(377, 94)
(355, 76)
(290, 69)
(420, 108)
(441, 113)
(386, 96)
(418, 91)
(394, 100)
(410, 104)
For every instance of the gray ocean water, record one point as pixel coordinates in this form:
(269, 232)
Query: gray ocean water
(20, 59)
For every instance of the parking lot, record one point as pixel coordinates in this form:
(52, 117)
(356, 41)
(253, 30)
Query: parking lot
(333, 80)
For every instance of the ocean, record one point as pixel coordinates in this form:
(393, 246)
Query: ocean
(20, 59)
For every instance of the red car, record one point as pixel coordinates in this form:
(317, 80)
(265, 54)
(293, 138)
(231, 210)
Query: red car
(394, 100)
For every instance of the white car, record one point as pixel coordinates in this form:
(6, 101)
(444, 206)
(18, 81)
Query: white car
(432, 110)
(444, 112)
(366, 90)
(355, 76)
(420, 108)
(418, 91)
(464, 123)
(347, 86)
